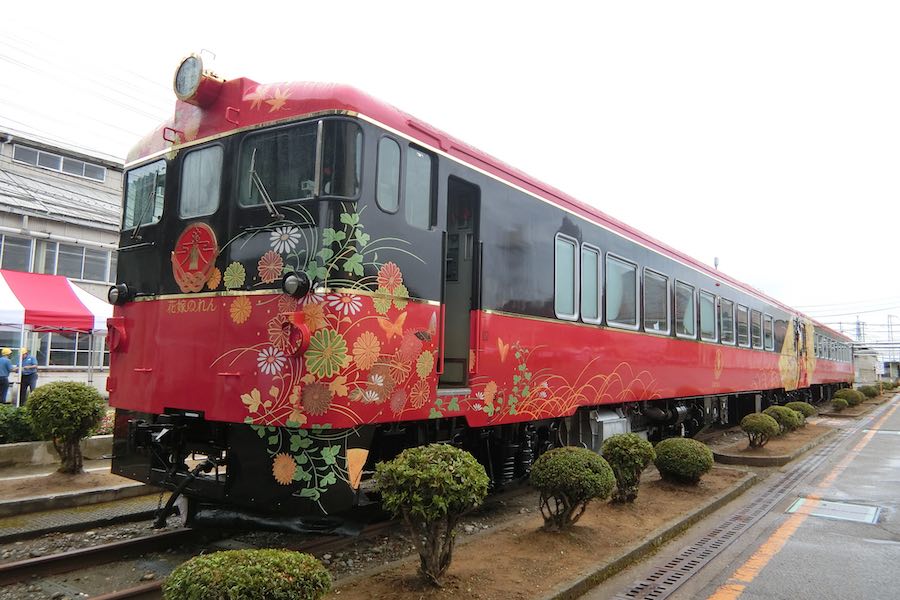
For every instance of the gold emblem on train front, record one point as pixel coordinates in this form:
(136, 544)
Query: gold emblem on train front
(194, 256)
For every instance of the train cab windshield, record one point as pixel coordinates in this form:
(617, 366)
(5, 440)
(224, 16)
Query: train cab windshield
(280, 165)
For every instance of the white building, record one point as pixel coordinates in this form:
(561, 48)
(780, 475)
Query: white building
(59, 214)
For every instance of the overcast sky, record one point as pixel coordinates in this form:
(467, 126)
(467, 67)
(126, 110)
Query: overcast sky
(763, 133)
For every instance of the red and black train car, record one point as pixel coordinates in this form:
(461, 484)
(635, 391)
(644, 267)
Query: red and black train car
(310, 280)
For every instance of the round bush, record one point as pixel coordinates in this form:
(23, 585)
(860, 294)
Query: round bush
(65, 412)
(568, 478)
(247, 574)
(804, 408)
(788, 420)
(853, 397)
(14, 425)
(628, 454)
(869, 391)
(683, 460)
(431, 487)
(759, 427)
(838, 404)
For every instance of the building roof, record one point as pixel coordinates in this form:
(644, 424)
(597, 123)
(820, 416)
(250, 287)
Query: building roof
(47, 194)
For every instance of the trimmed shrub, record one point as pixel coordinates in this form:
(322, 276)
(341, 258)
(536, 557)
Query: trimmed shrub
(788, 420)
(804, 408)
(568, 478)
(759, 427)
(683, 460)
(628, 454)
(838, 404)
(14, 425)
(245, 574)
(888, 385)
(431, 488)
(64, 412)
(869, 391)
(853, 397)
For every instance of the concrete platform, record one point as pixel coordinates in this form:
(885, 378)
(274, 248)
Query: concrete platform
(726, 457)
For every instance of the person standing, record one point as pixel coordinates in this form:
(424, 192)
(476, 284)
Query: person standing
(6, 367)
(29, 376)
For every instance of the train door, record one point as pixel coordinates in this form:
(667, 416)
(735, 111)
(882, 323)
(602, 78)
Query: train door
(459, 285)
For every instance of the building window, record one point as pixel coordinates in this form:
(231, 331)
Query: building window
(743, 326)
(768, 332)
(71, 349)
(726, 320)
(75, 262)
(387, 185)
(145, 189)
(565, 271)
(95, 265)
(16, 253)
(707, 317)
(685, 320)
(656, 302)
(621, 293)
(590, 284)
(201, 174)
(417, 197)
(57, 162)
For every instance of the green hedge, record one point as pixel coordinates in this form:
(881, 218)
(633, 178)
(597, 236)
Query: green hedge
(628, 454)
(760, 428)
(869, 391)
(804, 408)
(838, 404)
(15, 426)
(249, 575)
(64, 412)
(568, 478)
(853, 397)
(683, 460)
(788, 420)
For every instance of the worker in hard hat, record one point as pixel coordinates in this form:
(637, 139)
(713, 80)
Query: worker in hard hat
(29, 376)
(6, 367)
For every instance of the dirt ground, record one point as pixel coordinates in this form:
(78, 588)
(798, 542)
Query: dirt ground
(57, 483)
(778, 446)
(521, 561)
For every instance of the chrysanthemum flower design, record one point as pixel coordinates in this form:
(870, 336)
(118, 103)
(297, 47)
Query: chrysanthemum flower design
(283, 468)
(240, 309)
(425, 364)
(235, 276)
(398, 401)
(284, 239)
(270, 266)
(389, 276)
(327, 353)
(214, 279)
(345, 304)
(366, 349)
(271, 360)
(316, 398)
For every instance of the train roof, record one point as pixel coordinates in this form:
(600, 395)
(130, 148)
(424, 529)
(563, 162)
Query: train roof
(245, 104)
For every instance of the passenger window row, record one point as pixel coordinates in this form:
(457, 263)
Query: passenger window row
(665, 303)
(830, 349)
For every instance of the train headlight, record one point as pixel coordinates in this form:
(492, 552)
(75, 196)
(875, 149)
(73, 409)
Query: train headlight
(296, 284)
(194, 85)
(118, 294)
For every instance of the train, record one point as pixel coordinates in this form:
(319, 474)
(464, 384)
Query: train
(311, 280)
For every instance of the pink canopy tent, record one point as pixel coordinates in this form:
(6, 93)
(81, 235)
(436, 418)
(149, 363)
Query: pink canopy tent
(49, 303)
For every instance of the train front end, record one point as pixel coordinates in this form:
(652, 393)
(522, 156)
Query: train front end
(265, 318)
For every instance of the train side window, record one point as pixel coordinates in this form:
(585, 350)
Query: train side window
(756, 328)
(418, 186)
(743, 326)
(656, 302)
(769, 332)
(590, 284)
(818, 346)
(685, 315)
(144, 192)
(201, 175)
(708, 317)
(621, 293)
(387, 184)
(726, 320)
(341, 158)
(565, 302)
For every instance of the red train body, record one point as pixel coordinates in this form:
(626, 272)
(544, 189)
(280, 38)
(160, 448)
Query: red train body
(452, 298)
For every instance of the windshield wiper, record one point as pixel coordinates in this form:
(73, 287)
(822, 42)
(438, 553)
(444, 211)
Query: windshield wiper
(261, 188)
(137, 228)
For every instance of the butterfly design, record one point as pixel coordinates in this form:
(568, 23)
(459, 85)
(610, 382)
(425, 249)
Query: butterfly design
(426, 335)
(392, 328)
(503, 349)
